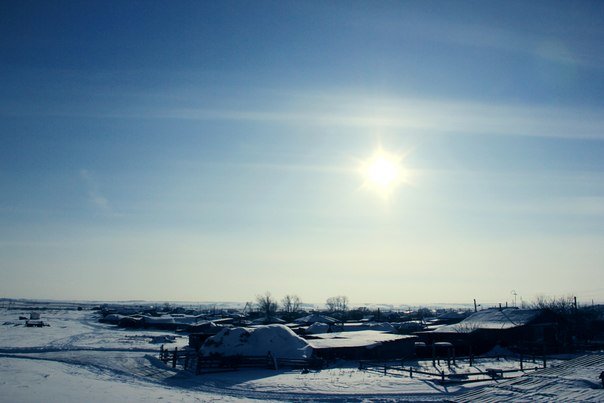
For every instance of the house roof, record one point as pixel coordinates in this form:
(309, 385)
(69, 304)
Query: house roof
(359, 326)
(314, 318)
(452, 315)
(493, 319)
(362, 338)
(267, 320)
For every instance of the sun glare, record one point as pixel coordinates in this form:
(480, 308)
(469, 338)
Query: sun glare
(383, 172)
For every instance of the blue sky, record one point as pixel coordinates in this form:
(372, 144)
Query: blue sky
(211, 150)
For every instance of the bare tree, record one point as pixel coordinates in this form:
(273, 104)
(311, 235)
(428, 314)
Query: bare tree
(466, 328)
(423, 313)
(266, 304)
(561, 305)
(290, 303)
(337, 304)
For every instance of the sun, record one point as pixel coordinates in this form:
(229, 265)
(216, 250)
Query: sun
(383, 172)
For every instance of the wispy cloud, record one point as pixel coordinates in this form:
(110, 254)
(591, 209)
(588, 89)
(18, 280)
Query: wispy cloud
(337, 108)
(556, 47)
(440, 116)
(552, 49)
(95, 197)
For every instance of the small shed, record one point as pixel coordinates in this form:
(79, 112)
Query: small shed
(201, 332)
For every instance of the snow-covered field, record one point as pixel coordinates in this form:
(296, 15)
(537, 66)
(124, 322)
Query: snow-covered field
(78, 359)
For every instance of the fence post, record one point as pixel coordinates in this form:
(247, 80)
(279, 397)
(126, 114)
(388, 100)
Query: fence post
(161, 352)
(521, 362)
(410, 372)
(174, 357)
(454, 363)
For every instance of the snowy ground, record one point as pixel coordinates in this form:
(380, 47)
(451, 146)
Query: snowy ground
(79, 359)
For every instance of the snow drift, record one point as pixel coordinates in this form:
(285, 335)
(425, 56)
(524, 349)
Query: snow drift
(279, 340)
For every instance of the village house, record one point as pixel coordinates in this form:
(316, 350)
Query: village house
(525, 329)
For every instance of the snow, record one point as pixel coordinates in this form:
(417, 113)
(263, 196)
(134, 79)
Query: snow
(171, 320)
(78, 359)
(279, 340)
(267, 320)
(113, 318)
(362, 338)
(344, 382)
(358, 326)
(75, 330)
(316, 318)
(572, 381)
(317, 328)
(506, 318)
(26, 380)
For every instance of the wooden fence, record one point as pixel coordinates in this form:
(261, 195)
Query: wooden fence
(442, 376)
(191, 360)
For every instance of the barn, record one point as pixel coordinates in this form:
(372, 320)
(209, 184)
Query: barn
(362, 345)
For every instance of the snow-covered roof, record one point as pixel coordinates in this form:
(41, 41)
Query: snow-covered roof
(452, 315)
(206, 327)
(279, 340)
(362, 338)
(360, 326)
(573, 381)
(318, 328)
(506, 318)
(315, 317)
(267, 320)
(171, 320)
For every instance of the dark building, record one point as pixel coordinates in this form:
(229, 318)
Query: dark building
(362, 345)
(530, 330)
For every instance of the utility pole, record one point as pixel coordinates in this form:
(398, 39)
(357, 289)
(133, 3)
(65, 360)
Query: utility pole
(575, 303)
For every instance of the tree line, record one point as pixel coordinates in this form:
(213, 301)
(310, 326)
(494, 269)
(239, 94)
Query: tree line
(291, 304)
